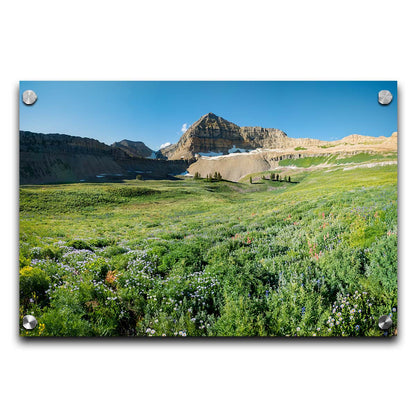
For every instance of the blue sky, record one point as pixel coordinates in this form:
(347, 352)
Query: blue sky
(157, 112)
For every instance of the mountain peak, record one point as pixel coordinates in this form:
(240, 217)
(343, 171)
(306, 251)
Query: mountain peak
(134, 148)
(212, 134)
(210, 115)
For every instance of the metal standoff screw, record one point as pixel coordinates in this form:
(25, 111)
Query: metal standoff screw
(29, 322)
(29, 97)
(385, 97)
(385, 322)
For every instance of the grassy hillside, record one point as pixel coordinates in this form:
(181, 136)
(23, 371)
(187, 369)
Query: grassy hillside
(307, 162)
(177, 258)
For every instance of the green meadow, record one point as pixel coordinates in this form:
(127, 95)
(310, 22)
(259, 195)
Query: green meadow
(313, 257)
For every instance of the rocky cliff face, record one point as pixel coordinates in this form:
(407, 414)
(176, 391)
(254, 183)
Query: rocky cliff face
(57, 158)
(214, 135)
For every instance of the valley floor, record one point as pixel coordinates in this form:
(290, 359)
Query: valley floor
(195, 258)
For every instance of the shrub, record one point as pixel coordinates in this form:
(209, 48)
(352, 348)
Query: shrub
(33, 281)
(102, 242)
(80, 245)
(98, 268)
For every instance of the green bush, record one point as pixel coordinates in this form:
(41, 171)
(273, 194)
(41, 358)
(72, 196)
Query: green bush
(33, 283)
(80, 245)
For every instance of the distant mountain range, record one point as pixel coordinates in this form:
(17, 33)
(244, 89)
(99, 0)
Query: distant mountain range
(138, 149)
(209, 142)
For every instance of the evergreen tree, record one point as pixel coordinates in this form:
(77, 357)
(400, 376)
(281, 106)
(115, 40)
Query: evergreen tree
(251, 179)
(272, 177)
(289, 178)
(139, 177)
(277, 176)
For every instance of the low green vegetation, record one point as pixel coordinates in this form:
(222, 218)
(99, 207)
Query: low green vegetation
(327, 146)
(193, 258)
(366, 157)
(306, 162)
(300, 148)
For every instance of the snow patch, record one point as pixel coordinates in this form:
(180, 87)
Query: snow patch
(237, 149)
(219, 157)
(162, 146)
(210, 154)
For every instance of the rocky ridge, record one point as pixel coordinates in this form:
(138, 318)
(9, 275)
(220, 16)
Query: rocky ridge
(56, 158)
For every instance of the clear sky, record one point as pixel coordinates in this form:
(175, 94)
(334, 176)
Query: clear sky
(157, 112)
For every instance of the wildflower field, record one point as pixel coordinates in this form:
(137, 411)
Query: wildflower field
(315, 257)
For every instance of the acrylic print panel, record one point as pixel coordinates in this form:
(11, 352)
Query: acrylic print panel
(208, 209)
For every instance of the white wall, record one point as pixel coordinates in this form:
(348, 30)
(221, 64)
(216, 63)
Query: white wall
(306, 40)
